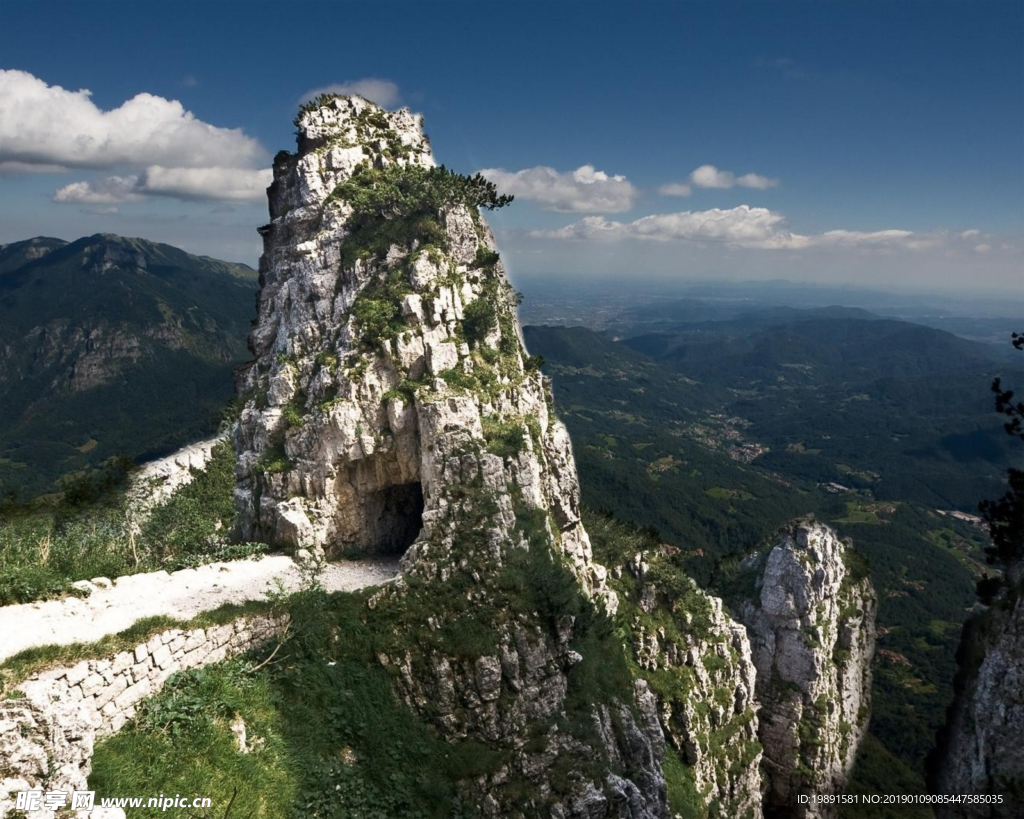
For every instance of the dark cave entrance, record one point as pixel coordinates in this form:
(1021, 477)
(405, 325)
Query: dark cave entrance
(396, 517)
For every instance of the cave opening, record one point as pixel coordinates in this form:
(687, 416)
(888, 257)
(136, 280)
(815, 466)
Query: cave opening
(397, 518)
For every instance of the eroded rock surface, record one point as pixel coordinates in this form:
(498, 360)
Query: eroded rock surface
(813, 637)
(392, 408)
(700, 661)
(983, 747)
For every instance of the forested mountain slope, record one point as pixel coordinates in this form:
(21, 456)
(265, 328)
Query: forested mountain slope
(111, 346)
(697, 460)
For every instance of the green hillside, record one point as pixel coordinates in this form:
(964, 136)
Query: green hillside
(112, 346)
(716, 458)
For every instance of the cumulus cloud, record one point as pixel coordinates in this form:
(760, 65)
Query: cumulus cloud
(675, 189)
(230, 184)
(48, 125)
(585, 190)
(224, 184)
(755, 180)
(166, 150)
(708, 176)
(101, 191)
(742, 226)
(383, 92)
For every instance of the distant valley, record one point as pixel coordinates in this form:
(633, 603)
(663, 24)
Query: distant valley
(716, 427)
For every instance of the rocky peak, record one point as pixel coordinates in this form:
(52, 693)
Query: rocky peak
(107, 251)
(813, 638)
(386, 342)
(392, 408)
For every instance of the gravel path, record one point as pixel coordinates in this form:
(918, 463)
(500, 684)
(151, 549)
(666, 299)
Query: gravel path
(182, 595)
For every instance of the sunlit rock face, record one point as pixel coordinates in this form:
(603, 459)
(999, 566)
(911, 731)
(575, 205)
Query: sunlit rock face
(392, 408)
(353, 441)
(813, 637)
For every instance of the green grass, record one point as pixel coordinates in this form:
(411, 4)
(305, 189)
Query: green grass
(331, 738)
(44, 548)
(181, 743)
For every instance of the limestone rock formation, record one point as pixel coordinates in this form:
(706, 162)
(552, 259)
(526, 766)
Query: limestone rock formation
(684, 640)
(813, 638)
(366, 385)
(392, 408)
(983, 746)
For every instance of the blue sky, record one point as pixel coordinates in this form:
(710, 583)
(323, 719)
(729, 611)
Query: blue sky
(872, 143)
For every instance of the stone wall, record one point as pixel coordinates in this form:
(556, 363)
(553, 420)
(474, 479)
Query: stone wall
(47, 735)
(157, 480)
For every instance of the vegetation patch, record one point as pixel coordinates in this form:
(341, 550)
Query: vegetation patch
(44, 548)
(505, 438)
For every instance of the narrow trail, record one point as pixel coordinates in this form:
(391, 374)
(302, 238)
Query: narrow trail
(181, 595)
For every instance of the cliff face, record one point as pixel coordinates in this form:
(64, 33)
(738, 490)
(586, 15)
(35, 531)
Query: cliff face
(813, 638)
(983, 746)
(371, 381)
(392, 408)
(697, 661)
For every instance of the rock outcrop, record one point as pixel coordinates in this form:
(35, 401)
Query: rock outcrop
(982, 749)
(813, 638)
(697, 661)
(392, 408)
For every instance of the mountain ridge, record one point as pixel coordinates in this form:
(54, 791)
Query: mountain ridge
(92, 331)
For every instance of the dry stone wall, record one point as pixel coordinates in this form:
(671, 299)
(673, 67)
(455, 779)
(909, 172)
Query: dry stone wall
(47, 735)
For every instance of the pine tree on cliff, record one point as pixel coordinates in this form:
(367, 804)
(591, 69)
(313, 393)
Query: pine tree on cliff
(1005, 516)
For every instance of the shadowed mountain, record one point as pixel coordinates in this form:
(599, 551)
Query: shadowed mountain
(112, 346)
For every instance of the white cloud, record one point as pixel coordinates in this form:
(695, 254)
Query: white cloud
(224, 184)
(585, 190)
(48, 125)
(755, 180)
(100, 192)
(742, 226)
(983, 248)
(675, 189)
(383, 92)
(708, 176)
(229, 184)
